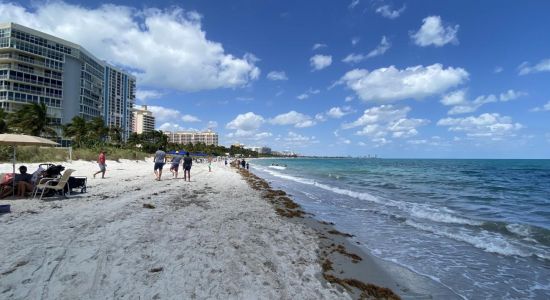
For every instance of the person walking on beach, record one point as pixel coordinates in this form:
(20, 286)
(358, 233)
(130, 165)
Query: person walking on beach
(243, 163)
(209, 164)
(187, 163)
(160, 160)
(176, 160)
(247, 166)
(226, 162)
(102, 165)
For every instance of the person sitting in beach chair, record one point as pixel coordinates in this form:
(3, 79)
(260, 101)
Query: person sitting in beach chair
(23, 184)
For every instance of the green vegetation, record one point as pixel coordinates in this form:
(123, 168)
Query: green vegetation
(90, 137)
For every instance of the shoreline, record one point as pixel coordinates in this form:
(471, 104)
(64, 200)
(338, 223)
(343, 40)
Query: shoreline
(347, 264)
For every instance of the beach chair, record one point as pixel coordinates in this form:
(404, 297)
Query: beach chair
(57, 184)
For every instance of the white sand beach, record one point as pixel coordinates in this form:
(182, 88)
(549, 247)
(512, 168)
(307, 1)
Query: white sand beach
(214, 238)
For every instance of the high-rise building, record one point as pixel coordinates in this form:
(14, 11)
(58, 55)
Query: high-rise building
(260, 150)
(119, 96)
(41, 68)
(142, 120)
(208, 137)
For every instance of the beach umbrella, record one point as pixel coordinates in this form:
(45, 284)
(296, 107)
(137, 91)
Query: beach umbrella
(22, 140)
(182, 152)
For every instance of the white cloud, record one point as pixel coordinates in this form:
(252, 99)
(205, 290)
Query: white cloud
(165, 48)
(320, 117)
(349, 98)
(354, 58)
(298, 140)
(246, 122)
(319, 62)
(545, 107)
(344, 141)
(405, 128)
(318, 46)
(168, 126)
(433, 32)
(307, 94)
(487, 125)
(498, 69)
(417, 142)
(379, 114)
(292, 117)
(244, 99)
(144, 95)
(461, 105)
(511, 95)
(353, 4)
(379, 50)
(386, 120)
(454, 98)
(277, 75)
(471, 106)
(190, 119)
(338, 112)
(249, 135)
(211, 124)
(392, 84)
(355, 40)
(543, 66)
(164, 114)
(387, 12)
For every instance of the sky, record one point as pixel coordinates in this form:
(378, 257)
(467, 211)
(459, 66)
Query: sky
(406, 79)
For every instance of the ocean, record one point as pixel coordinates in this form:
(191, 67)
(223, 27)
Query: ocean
(479, 227)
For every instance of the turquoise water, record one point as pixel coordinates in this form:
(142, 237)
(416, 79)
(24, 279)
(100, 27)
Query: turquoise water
(480, 227)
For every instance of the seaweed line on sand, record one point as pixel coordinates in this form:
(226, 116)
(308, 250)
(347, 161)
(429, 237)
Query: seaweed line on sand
(286, 207)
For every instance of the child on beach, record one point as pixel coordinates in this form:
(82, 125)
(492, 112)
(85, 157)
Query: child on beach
(160, 160)
(209, 164)
(102, 165)
(187, 163)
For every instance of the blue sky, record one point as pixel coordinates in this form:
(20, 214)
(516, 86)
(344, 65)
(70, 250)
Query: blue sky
(438, 79)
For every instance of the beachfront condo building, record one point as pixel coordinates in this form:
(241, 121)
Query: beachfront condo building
(142, 120)
(260, 150)
(119, 96)
(36, 67)
(208, 137)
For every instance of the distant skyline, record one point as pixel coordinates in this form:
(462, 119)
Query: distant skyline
(434, 79)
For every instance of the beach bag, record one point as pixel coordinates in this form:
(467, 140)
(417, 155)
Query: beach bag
(54, 171)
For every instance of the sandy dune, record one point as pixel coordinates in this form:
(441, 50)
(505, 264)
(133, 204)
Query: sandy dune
(211, 238)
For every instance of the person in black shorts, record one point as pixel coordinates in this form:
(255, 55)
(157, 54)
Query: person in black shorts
(187, 163)
(160, 160)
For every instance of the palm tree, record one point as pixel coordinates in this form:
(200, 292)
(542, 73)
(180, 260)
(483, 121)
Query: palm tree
(115, 134)
(97, 130)
(33, 119)
(77, 130)
(3, 124)
(134, 139)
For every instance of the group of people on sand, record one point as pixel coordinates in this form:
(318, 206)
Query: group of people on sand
(160, 160)
(243, 164)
